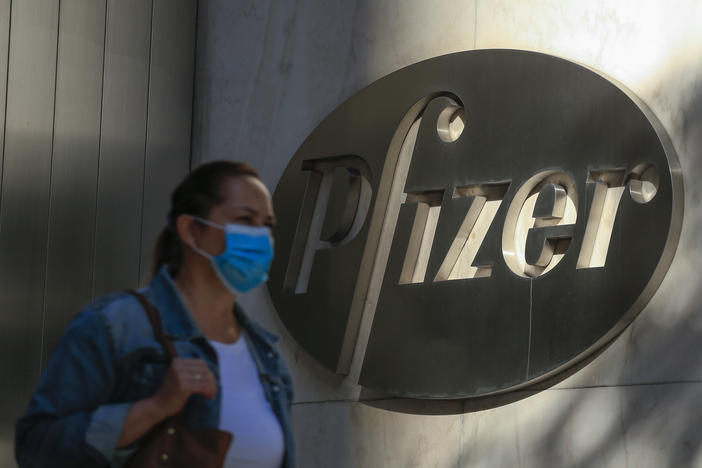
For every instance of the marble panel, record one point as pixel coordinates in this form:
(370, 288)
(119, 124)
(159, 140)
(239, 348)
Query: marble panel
(637, 426)
(393, 34)
(322, 434)
(267, 77)
(348, 434)
(230, 43)
(655, 49)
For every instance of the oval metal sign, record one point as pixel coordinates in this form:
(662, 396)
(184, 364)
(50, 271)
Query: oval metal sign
(499, 214)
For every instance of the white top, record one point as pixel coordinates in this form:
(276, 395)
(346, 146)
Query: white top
(245, 412)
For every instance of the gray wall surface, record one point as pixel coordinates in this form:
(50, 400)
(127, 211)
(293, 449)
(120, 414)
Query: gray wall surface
(95, 122)
(268, 72)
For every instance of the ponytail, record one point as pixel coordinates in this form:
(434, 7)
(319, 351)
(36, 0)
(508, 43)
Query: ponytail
(168, 251)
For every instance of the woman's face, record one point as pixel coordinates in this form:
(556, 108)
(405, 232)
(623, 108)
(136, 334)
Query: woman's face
(246, 201)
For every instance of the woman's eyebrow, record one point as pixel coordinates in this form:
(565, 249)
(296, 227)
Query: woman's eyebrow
(270, 218)
(245, 208)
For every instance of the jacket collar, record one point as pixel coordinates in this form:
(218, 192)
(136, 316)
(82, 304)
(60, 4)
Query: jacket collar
(179, 324)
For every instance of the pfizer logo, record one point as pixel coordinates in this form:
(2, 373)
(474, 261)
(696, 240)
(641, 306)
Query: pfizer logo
(499, 214)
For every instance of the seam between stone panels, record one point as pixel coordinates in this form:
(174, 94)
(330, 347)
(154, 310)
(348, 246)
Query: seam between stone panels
(347, 400)
(623, 426)
(637, 384)
(288, 49)
(349, 54)
(254, 81)
(475, 26)
(535, 391)
(461, 439)
(531, 306)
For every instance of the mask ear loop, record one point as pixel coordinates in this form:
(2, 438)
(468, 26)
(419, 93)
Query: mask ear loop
(211, 258)
(206, 222)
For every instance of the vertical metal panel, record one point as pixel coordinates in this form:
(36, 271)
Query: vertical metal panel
(5, 429)
(170, 115)
(25, 200)
(4, 43)
(75, 163)
(123, 137)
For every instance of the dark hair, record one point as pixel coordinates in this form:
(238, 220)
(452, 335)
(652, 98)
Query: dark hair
(196, 195)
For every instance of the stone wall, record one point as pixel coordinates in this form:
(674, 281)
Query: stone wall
(269, 71)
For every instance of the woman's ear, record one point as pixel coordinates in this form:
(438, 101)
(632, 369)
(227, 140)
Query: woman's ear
(185, 227)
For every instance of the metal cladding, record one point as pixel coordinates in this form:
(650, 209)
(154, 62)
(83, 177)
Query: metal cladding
(96, 114)
(500, 214)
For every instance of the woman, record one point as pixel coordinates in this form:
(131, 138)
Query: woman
(109, 382)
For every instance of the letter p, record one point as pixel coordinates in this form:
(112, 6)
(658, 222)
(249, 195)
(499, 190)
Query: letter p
(334, 209)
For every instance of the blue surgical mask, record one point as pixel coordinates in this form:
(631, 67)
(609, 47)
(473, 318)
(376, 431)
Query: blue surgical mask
(247, 257)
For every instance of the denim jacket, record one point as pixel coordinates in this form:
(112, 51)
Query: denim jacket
(108, 359)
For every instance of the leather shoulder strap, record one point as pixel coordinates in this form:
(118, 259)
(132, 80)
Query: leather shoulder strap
(155, 320)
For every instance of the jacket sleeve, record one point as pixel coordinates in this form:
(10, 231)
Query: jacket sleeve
(70, 422)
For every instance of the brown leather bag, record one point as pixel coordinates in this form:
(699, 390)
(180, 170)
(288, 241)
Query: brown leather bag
(171, 443)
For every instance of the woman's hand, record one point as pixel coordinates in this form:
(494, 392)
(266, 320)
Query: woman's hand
(185, 377)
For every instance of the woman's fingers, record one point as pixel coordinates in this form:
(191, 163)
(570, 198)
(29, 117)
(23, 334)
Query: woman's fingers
(183, 364)
(194, 370)
(185, 377)
(203, 387)
(195, 376)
